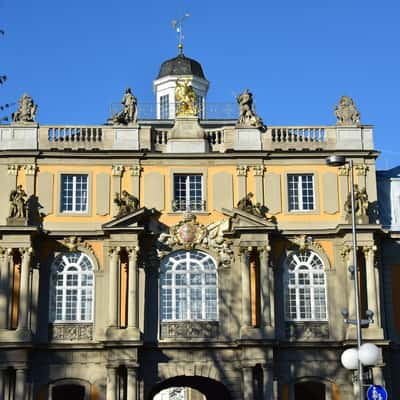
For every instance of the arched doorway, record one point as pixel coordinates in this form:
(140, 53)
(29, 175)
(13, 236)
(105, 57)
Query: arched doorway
(309, 390)
(68, 392)
(208, 388)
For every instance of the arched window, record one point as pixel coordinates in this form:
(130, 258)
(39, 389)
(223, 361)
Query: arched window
(72, 288)
(189, 287)
(305, 287)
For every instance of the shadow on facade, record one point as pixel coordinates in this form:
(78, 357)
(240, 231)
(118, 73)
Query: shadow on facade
(208, 387)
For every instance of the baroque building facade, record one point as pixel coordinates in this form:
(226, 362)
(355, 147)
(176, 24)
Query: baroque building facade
(149, 254)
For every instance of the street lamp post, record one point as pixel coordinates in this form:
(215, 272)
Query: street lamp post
(336, 160)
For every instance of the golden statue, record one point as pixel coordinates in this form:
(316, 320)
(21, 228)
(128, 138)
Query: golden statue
(185, 99)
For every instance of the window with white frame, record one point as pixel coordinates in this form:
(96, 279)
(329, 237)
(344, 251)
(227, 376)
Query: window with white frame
(301, 192)
(305, 287)
(189, 287)
(164, 107)
(74, 193)
(72, 288)
(188, 193)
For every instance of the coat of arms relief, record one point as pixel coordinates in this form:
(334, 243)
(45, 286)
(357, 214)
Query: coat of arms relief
(190, 234)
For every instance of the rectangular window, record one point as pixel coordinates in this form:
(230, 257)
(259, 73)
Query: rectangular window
(74, 193)
(164, 107)
(188, 193)
(301, 192)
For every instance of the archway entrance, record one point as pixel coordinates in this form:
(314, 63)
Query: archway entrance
(203, 389)
(68, 392)
(309, 391)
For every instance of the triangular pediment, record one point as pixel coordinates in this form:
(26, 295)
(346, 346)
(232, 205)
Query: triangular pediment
(244, 221)
(134, 221)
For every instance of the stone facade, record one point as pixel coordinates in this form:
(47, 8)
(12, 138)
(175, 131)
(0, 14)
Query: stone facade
(252, 340)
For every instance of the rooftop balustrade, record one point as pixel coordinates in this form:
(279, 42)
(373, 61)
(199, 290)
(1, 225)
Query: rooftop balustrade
(153, 135)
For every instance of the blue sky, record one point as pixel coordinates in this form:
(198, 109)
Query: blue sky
(75, 58)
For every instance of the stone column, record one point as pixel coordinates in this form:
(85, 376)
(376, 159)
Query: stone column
(135, 174)
(113, 286)
(20, 383)
(241, 171)
(5, 286)
(132, 287)
(248, 383)
(111, 393)
(245, 272)
(268, 382)
(372, 284)
(258, 171)
(24, 293)
(132, 383)
(117, 171)
(267, 287)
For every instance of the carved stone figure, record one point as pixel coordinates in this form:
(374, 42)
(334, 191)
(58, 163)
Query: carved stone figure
(246, 204)
(190, 234)
(26, 110)
(185, 99)
(247, 115)
(18, 204)
(126, 202)
(128, 114)
(360, 205)
(347, 113)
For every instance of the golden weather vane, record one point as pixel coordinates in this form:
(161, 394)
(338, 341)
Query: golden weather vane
(177, 25)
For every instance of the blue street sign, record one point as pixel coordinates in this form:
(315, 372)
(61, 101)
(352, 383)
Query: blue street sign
(377, 392)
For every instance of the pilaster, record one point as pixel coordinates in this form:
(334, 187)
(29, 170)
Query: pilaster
(361, 172)
(117, 170)
(5, 286)
(113, 254)
(25, 295)
(20, 383)
(245, 274)
(111, 391)
(241, 172)
(258, 171)
(344, 188)
(267, 290)
(30, 173)
(132, 287)
(247, 389)
(268, 382)
(135, 171)
(132, 382)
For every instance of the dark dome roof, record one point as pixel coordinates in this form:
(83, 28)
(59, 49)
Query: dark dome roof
(181, 65)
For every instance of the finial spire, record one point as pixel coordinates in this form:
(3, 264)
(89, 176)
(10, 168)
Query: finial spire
(177, 25)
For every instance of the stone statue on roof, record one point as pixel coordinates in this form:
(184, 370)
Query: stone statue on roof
(26, 110)
(247, 115)
(128, 114)
(346, 112)
(185, 99)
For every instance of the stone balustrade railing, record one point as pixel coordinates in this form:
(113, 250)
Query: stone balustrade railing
(149, 135)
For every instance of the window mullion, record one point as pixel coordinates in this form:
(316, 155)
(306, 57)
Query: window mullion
(300, 192)
(79, 297)
(74, 193)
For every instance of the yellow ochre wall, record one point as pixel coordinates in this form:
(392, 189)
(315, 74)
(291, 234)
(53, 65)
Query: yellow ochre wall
(172, 218)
